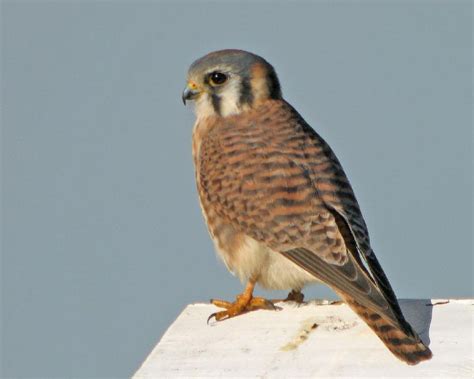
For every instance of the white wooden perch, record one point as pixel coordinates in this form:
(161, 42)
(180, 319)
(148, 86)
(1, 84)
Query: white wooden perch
(310, 340)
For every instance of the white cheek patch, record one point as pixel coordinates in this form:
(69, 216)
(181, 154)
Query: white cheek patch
(229, 102)
(230, 99)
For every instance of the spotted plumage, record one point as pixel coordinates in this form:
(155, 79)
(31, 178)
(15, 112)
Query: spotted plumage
(276, 200)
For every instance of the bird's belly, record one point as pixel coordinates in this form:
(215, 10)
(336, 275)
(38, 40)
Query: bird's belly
(249, 259)
(280, 273)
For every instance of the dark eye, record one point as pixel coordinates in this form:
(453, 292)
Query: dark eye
(217, 78)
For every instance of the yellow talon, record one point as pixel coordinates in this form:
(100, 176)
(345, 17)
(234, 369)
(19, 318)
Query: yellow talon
(244, 303)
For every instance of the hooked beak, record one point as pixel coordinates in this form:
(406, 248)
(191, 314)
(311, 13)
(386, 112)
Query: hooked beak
(190, 92)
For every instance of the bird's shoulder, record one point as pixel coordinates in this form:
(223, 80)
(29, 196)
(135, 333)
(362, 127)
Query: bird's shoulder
(273, 125)
(274, 137)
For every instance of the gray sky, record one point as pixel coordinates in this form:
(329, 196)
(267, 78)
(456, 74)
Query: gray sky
(103, 240)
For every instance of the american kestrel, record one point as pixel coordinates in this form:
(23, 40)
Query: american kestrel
(278, 205)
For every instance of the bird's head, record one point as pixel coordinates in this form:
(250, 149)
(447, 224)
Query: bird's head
(228, 82)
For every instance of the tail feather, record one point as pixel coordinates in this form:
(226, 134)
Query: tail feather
(406, 346)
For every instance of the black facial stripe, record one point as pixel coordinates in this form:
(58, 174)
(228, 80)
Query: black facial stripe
(246, 95)
(274, 90)
(216, 103)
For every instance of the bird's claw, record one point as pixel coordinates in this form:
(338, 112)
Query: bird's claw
(240, 306)
(211, 316)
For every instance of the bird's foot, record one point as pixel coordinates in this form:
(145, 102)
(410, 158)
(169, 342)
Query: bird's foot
(295, 296)
(243, 304)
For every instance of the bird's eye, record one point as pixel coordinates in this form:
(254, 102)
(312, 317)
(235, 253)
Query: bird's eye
(217, 78)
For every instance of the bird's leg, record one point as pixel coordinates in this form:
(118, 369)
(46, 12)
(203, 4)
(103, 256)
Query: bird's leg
(245, 302)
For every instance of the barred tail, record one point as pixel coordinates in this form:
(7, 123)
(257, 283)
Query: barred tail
(406, 346)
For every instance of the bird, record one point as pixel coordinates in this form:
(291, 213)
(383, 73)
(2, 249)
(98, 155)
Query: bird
(277, 203)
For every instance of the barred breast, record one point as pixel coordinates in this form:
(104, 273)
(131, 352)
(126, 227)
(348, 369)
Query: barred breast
(244, 256)
(263, 179)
